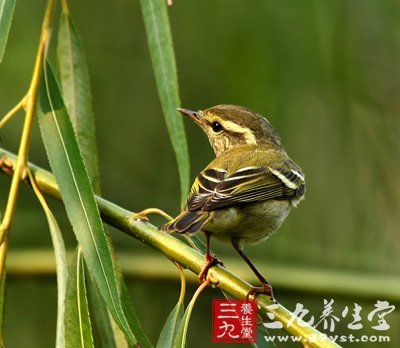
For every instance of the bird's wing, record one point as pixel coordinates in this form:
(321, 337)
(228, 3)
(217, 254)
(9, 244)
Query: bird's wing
(214, 188)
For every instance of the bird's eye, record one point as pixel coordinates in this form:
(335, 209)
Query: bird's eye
(216, 127)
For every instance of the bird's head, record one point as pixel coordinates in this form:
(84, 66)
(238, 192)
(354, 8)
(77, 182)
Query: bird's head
(228, 126)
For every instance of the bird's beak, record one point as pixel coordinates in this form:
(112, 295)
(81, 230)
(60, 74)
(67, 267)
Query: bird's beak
(194, 115)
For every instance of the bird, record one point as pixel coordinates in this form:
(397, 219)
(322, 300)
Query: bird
(245, 193)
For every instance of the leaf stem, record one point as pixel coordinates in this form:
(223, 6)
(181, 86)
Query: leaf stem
(183, 284)
(60, 257)
(64, 7)
(142, 215)
(30, 102)
(189, 309)
(12, 112)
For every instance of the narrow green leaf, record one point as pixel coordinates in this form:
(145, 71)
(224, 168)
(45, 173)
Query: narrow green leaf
(163, 59)
(78, 330)
(103, 319)
(170, 329)
(133, 320)
(61, 267)
(6, 13)
(181, 334)
(111, 336)
(76, 92)
(101, 316)
(68, 167)
(62, 274)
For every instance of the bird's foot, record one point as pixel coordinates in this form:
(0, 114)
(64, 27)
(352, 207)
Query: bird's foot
(265, 289)
(142, 215)
(210, 260)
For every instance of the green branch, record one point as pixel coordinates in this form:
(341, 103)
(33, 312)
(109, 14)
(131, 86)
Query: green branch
(177, 251)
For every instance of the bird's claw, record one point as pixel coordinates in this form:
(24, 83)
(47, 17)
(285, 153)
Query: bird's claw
(265, 289)
(211, 260)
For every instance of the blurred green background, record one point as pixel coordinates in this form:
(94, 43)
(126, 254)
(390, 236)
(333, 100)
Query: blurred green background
(327, 76)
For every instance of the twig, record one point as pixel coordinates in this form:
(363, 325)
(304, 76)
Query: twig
(12, 112)
(30, 102)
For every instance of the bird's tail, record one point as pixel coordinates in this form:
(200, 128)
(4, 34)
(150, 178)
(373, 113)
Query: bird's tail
(187, 222)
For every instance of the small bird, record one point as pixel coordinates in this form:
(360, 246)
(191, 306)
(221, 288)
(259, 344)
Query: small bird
(247, 191)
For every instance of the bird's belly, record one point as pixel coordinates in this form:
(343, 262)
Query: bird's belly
(250, 224)
(222, 221)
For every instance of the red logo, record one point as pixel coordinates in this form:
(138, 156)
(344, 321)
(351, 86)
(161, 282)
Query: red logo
(234, 321)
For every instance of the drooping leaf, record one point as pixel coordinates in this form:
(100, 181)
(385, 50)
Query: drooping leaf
(78, 330)
(181, 333)
(111, 336)
(101, 316)
(77, 194)
(61, 264)
(171, 326)
(170, 329)
(133, 320)
(76, 92)
(163, 59)
(62, 273)
(6, 14)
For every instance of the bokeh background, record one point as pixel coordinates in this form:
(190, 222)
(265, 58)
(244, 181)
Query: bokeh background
(327, 76)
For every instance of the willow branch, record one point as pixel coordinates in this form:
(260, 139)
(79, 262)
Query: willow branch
(30, 104)
(178, 252)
